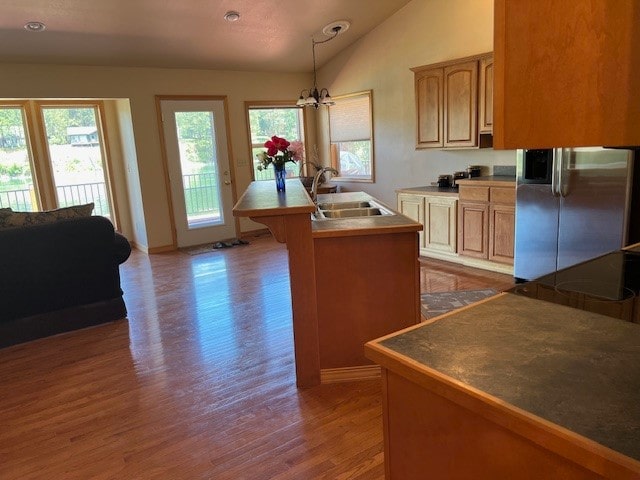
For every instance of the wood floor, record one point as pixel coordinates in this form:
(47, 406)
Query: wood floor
(198, 384)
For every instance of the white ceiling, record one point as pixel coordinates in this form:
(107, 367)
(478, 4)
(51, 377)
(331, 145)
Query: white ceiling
(271, 35)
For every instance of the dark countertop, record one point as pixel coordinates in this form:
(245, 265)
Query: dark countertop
(355, 226)
(489, 181)
(431, 190)
(577, 369)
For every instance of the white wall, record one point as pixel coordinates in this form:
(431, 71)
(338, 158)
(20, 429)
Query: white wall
(423, 32)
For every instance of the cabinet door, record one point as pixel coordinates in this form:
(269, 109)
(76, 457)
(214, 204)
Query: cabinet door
(566, 73)
(440, 224)
(412, 206)
(429, 103)
(461, 105)
(486, 95)
(473, 229)
(501, 233)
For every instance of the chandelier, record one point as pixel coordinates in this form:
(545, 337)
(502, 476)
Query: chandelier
(314, 97)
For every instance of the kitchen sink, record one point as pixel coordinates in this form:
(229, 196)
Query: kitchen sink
(351, 212)
(343, 205)
(337, 210)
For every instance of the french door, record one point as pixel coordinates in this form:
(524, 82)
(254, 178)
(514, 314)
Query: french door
(196, 148)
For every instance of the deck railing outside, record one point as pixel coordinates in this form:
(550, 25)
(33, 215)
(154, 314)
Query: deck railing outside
(201, 196)
(200, 191)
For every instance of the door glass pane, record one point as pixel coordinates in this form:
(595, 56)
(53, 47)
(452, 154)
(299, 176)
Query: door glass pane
(16, 179)
(199, 167)
(76, 157)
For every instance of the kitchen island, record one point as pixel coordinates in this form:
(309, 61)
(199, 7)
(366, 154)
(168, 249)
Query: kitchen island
(352, 279)
(512, 387)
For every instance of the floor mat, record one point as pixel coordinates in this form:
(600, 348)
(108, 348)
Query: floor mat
(212, 247)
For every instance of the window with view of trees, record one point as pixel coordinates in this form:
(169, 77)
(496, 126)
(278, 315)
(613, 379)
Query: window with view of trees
(72, 169)
(17, 189)
(267, 120)
(351, 133)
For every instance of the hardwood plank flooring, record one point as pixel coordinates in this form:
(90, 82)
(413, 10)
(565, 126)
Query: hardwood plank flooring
(199, 383)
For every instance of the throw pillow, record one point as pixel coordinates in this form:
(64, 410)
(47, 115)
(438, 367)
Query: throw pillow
(9, 219)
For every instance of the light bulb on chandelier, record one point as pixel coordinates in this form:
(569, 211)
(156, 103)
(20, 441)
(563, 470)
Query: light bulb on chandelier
(315, 97)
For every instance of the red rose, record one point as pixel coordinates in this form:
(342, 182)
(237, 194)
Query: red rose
(276, 144)
(280, 143)
(271, 147)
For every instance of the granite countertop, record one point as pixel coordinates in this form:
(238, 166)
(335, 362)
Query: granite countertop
(576, 369)
(431, 190)
(354, 226)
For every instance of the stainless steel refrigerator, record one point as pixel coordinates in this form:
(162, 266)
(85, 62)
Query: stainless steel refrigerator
(572, 205)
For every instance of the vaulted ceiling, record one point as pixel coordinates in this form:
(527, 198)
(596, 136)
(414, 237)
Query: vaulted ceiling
(270, 35)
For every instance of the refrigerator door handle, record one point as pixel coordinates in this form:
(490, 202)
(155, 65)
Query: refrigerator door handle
(555, 173)
(561, 171)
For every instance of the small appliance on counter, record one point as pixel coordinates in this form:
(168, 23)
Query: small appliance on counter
(444, 181)
(474, 171)
(458, 176)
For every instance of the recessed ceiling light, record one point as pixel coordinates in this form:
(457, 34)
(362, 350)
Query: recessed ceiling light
(35, 26)
(232, 16)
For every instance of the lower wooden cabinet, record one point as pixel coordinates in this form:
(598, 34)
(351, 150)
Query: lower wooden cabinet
(502, 224)
(486, 227)
(440, 224)
(438, 216)
(475, 227)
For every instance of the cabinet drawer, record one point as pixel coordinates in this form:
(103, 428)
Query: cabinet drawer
(505, 195)
(474, 194)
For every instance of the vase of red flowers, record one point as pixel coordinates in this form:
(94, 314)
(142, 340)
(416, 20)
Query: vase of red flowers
(279, 152)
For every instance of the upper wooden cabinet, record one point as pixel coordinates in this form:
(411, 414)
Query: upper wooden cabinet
(448, 103)
(486, 95)
(461, 105)
(566, 73)
(429, 111)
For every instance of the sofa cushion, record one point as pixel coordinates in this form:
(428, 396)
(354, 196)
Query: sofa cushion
(10, 219)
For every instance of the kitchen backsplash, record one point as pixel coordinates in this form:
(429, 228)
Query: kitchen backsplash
(504, 170)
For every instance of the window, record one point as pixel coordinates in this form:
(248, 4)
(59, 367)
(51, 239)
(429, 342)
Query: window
(351, 133)
(266, 120)
(17, 190)
(72, 168)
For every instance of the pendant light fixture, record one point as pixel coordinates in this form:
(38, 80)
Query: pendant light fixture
(314, 97)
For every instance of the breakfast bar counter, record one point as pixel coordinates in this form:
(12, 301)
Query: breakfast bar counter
(354, 274)
(512, 387)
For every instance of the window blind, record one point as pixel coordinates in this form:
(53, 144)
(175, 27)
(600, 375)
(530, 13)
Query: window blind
(349, 119)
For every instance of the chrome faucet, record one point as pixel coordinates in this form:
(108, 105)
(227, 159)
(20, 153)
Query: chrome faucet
(316, 181)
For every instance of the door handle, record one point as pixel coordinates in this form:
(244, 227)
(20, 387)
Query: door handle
(227, 180)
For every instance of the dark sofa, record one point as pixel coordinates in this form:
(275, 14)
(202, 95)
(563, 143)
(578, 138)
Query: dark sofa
(58, 277)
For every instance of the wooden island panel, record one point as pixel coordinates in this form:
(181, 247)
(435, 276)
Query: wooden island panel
(353, 279)
(367, 287)
(287, 215)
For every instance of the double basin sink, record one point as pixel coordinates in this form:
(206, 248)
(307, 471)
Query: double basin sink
(336, 210)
